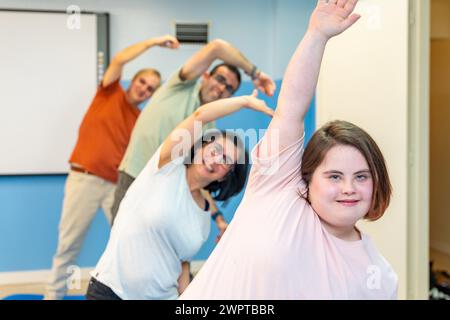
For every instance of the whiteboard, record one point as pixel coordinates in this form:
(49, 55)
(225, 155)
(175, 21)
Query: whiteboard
(48, 79)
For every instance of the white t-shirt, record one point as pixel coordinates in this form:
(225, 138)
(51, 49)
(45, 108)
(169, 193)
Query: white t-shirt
(158, 226)
(277, 248)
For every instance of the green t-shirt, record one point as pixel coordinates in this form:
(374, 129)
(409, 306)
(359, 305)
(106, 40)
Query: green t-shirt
(171, 104)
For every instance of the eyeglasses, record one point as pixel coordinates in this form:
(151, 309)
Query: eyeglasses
(221, 79)
(217, 153)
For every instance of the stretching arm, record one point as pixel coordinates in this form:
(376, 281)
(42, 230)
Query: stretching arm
(222, 50)
(328, 20)
(115, 68)
(209, 112)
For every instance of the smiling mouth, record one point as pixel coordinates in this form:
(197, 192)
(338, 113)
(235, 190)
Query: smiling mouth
(208, 167)
(348, 203)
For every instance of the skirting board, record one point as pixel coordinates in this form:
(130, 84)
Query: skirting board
(42, 276)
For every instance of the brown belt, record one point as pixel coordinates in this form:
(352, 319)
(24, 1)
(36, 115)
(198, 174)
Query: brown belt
(78, 169)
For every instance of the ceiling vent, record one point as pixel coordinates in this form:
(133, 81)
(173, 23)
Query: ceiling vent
(193, 33)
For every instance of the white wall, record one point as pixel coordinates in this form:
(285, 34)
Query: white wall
(266, 31)
(291, 19)
(245, 26)
(364, 80)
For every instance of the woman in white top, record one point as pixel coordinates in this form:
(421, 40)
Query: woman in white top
(305, 244)
(163, 220)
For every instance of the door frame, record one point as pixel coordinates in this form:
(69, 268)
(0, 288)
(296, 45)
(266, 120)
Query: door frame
(419, 150)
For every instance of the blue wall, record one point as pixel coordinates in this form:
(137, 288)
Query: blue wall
(30, 207)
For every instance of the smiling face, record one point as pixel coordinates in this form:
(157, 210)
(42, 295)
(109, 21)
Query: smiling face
(218, 85)
(341, 187)
(143, 87)
(215, 160)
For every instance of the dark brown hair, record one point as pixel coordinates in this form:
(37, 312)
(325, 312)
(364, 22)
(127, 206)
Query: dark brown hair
(230, 67)
(345, 133)
(235, 180)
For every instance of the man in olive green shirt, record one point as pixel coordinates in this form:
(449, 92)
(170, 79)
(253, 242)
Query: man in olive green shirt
(178, 98)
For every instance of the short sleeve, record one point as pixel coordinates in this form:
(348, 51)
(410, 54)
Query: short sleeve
(152, 164)
(175, 81)
(175, 94)
(109, 89)
(279, 171)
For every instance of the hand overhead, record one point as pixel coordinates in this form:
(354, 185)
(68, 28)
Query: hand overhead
(333, 17)
(167, 41)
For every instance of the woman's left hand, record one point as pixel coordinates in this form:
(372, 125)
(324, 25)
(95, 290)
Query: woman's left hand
(257, 104)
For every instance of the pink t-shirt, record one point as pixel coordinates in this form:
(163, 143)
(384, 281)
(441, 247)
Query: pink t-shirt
(276, 247)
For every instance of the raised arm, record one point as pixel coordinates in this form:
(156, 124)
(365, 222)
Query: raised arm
(115, 68)
(329, 19)
(203, 115)
(222, 50)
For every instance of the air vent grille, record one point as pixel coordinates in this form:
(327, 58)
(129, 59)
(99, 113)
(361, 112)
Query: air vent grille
(196, 33)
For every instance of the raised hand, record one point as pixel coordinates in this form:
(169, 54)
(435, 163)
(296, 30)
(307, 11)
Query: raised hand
(167, 41)
(258, 105)
(333, 17)
(265, 84)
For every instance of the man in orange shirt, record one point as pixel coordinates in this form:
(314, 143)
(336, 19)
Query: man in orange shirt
(102, 140)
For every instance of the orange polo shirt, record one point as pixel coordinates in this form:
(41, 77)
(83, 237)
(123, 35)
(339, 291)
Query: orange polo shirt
(104, 132)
